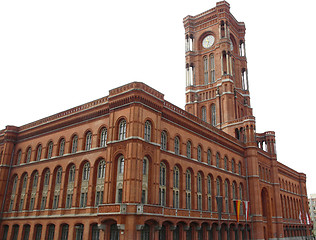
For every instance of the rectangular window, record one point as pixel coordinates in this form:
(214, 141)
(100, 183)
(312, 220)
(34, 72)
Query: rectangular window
(143, 196)
(119, 195)
(32, 203)
(21, 204)
(43, 202)
(55, 201)
(69, 201)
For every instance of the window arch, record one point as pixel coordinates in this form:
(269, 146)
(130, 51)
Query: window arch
(203, 113)
(50, 150)
(163, 144)
(62, 147)
(28, 155)
(72, 171)
(122, 130)
(234, 190)
(39, 152)
(188, 189)
(176, 190)
(147, 132)
(189, 149)
(162, 184)
(88, 141)
(177, 145)
(103, 137)
(74, 145)
(213, 115)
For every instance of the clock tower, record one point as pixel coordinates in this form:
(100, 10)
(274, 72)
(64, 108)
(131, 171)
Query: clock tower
(217, 89)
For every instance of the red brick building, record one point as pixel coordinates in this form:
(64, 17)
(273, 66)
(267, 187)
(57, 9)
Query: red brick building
(132, 165)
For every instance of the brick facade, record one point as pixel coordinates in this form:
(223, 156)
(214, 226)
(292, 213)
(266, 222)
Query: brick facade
(132, 165)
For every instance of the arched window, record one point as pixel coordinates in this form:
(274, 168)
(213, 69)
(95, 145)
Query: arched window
(72, 171)
(177, 146)
(39, 152)
(188, 149)
(13, 193)
(209, 157)
(145, 181)
(86, 172)
(74, 146)
(209, 193)
(58, 175)
(199, 153)
(100, 183)
(19, 156)
(163, 144)
(50, 150)
(103, 137)
(84, 185)
(147, 132)
(23, 192)
(241, 196)
(205, 61)
(188, 189)
(28, 155)
(234, 189)
(233, 165)
(70, 186)
(88, 141)
(45, 189)
(122, 130)
(119, 179)
(217, 159)
(199, 191)
(212, 68)
(162, 184)
(239, 168)
(225, 163)
(176, 176)
(121, 165)
(218, 187)
(101, 169)
(213, 115)
(57, 188)
(62, 147)
(203, 113)
(226, 196)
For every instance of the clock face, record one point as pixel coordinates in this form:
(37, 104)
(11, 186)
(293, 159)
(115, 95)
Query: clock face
(208, 41)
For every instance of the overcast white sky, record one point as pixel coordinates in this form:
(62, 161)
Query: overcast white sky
(55, 55)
